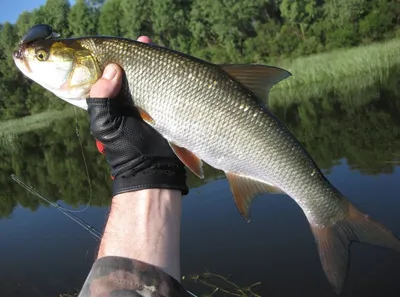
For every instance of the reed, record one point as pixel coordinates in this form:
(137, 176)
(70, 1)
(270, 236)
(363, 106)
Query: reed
(337, 71)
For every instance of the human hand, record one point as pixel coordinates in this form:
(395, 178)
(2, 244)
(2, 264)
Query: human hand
(139, 157)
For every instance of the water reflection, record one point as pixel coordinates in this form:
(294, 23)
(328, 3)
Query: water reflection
(355, 140)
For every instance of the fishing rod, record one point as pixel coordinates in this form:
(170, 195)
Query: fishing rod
(73, 217)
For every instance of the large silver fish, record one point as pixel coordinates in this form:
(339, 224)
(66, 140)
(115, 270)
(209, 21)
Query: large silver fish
(212, 113)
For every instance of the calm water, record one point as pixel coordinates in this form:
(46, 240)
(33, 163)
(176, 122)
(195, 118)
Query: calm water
(355, 139)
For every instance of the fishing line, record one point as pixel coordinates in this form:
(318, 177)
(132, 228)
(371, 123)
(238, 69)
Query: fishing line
(78, 135)
(66, 212)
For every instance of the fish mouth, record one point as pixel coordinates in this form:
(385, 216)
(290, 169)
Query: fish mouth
(19, 60)
(18, 54)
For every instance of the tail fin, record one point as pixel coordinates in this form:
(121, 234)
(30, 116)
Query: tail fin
(333, 243)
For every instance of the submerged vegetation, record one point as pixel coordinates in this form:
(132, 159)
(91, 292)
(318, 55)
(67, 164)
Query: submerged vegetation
(248, 31)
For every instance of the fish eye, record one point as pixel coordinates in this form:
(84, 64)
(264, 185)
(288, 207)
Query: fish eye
(42, 55)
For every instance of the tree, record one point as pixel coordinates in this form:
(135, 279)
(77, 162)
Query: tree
(381, 19)
(135, 18)
(341, 19)
(12, 89)
(109, 20)
(83, 19)
(170, 22)
(299, 13)
(222, 27)
(55, 13)
(24, 22)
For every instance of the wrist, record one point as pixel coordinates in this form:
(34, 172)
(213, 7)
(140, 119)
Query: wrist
(145, 225)
(164, 175)
(147, 201)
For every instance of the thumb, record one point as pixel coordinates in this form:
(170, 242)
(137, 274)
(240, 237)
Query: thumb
(109, 84)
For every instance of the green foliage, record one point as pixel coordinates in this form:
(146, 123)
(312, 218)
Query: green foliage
(169, 20)
(220, 28)
(25, 21)
(299, 14)
(55, 13)
(110, 18)
(135, 18)
(82, 19)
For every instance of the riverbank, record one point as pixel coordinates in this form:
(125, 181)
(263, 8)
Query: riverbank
(338, 71)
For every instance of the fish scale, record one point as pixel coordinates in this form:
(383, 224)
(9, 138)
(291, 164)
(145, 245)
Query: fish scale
(167, 103)
(212, 113)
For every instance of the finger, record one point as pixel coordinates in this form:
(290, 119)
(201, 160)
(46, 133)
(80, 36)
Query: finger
(145, 39)
(109, 84)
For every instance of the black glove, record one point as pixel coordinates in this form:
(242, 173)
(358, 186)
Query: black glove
(139, 157)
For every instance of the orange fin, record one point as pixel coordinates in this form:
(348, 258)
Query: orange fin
(334, 241)
(189, 159)
(244, 191)
(145, 116)
(257, 78)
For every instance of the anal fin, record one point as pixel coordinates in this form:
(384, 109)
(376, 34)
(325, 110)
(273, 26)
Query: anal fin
(190, 160)
(245, 189)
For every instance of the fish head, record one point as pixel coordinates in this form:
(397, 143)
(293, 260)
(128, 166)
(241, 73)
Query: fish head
(61, 66)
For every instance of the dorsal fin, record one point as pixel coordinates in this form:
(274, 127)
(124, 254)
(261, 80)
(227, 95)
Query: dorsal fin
(257, 78)
(245, 189)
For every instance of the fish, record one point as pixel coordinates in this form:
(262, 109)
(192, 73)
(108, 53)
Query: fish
(213, 113)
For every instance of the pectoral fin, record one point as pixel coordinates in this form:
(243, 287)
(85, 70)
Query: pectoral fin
(245, 189)
(145, 116)
(257, 78)
(189, 159)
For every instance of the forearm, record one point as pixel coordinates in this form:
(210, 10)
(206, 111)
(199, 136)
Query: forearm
(145, 225)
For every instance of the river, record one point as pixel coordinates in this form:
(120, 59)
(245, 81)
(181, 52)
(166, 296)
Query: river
(353, 137)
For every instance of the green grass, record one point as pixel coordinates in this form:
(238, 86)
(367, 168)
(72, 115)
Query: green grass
(340, 71)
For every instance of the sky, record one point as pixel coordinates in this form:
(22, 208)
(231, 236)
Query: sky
(11, 9)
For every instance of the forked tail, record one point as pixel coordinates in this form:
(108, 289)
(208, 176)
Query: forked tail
(334, 241)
